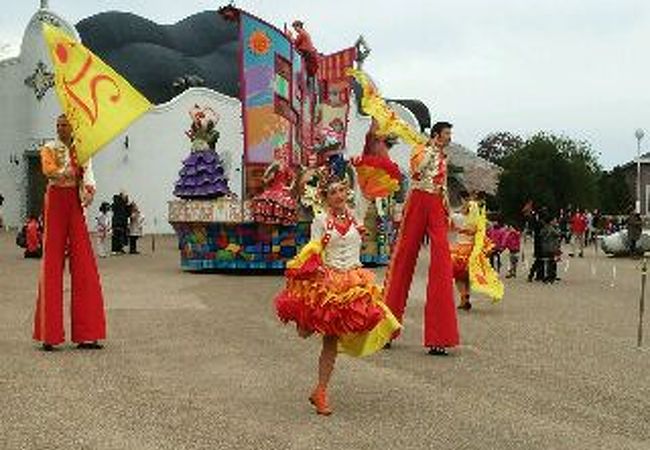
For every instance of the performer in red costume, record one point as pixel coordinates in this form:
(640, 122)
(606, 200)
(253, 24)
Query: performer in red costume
(426, 212)
(70, 188)
(305, 47)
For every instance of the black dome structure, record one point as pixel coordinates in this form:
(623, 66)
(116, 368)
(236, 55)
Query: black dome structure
(153, 57)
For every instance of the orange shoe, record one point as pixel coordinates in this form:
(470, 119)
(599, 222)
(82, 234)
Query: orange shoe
(318, 398)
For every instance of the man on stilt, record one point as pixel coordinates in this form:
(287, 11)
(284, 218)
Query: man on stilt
(70, 189)
(426, 213)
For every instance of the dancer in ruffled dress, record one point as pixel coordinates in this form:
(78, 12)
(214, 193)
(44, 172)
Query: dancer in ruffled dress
(277, 204)
(328, 292)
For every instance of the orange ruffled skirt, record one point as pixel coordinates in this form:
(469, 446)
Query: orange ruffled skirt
(332, 303)
(347, 304)
(460, 254)
(378, 176)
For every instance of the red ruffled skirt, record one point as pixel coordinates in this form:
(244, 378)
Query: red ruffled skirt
(378, 176)
(460, 254)
(332, 303)
(274, 206)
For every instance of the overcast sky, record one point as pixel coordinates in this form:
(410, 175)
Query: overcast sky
(578, 67)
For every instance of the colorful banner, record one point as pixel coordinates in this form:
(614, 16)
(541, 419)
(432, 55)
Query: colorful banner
(267, 89)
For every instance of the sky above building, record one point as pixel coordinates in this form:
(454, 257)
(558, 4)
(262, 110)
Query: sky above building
(575, 67)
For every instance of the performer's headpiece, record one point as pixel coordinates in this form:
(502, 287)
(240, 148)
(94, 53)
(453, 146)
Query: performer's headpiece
(329, 178)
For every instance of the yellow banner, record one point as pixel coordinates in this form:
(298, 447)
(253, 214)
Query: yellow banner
(389, 122)
(98, 102)
(482, 277)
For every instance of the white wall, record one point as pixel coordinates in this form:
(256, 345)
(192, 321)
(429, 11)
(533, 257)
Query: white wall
(148, 169)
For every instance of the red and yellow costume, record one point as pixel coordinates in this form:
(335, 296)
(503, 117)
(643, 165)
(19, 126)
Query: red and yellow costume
(69, 185)
(470, 254)
(426, 211)
(378, 176)
(328, 292)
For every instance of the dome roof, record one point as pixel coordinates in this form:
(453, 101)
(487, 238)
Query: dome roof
(153, 56)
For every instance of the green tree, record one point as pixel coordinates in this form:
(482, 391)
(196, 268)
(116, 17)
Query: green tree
(552, 171)
(496, 147)
(614, 192)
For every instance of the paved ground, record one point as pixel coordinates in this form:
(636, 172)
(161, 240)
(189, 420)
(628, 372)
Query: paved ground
(199, 362)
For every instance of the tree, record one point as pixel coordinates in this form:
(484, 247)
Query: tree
(614, 192)
(496, 147)
(552, 171)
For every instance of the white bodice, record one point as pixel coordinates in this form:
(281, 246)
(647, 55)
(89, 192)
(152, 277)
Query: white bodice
(459, 221)
(342, 251)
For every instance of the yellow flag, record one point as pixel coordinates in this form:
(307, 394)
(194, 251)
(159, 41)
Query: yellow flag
(483, 278)
(389, 122)
(98, 102)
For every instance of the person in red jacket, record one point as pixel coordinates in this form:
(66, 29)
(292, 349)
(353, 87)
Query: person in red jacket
(33, 239)
(305, 46)
(578, 230)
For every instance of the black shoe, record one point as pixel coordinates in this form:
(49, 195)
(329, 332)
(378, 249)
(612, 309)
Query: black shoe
(438, 351)
(465, 306)
(48, 348)
(90, 346)
(388, 345)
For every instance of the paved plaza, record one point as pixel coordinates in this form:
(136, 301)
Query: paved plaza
(199, 361)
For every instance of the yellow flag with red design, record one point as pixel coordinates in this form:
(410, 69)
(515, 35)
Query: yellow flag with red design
(98, 102)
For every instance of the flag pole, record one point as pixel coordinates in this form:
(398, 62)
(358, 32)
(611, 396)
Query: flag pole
(644, 274)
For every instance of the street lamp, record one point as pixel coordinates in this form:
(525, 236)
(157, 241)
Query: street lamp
(639, 135)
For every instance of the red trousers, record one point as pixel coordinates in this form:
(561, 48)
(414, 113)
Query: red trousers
(424, 213)
(65, 224)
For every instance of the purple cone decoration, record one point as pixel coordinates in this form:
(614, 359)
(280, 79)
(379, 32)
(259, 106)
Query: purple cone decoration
(202, 175)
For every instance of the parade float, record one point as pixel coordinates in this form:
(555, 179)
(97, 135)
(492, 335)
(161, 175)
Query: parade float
(284, 109)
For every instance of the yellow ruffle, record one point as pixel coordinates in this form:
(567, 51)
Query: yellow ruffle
(313, 247)
(365, 344)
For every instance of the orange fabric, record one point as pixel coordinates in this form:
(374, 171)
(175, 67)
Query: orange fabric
(417, 155)
(49, 162)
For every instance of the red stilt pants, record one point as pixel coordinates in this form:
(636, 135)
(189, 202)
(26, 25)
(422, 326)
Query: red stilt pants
(65, 224)
(424, 213)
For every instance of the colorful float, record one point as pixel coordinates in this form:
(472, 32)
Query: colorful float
(294, 116)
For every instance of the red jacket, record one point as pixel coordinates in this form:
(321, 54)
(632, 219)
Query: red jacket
(579, 223)
(33, 236)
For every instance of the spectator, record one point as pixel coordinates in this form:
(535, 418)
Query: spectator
(103, 230)
(634, 229)
(551, 244)
(136, 222)
(497, 234)
(537, 268)
(578, 230)
(33, 238)
(513, 245)
(120, 222)
(2, 223)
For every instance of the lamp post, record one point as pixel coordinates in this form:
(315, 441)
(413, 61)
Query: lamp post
(639, 135)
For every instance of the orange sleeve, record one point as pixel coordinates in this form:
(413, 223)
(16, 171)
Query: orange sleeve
(417, 158)
(48, 162)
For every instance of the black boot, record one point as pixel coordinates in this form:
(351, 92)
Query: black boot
(94, 345)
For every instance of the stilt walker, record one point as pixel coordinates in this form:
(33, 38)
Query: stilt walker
(426, 213)
(70, 188)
